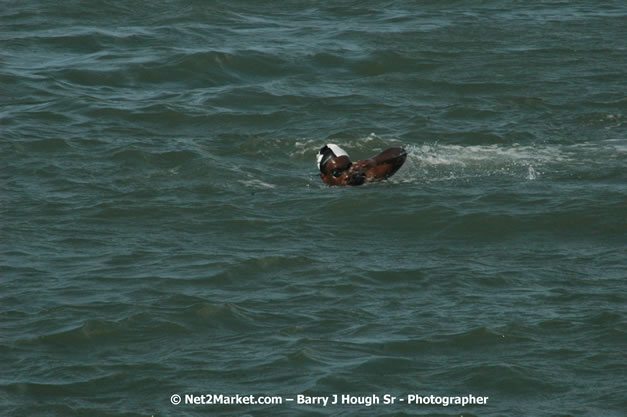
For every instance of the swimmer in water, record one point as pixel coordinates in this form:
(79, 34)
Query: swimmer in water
(336, 167)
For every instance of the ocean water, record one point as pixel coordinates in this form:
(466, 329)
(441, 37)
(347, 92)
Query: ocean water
(163, 229)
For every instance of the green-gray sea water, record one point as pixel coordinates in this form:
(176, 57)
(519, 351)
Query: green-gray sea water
(164, 230)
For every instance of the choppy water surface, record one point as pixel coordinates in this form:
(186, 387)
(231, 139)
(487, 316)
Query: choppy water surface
(164, 229)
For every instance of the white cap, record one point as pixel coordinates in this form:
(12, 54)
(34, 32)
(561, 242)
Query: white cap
(327, 152)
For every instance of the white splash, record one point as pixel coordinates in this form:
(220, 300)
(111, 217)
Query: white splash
(432, 162)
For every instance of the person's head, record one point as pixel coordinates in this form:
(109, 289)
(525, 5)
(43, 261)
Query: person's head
(334, 165)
